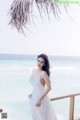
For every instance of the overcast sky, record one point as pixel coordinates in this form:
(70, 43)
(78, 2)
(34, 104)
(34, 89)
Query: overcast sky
(57, 37)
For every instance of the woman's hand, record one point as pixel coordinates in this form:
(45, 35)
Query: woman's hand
(38, 103)
(30, 95)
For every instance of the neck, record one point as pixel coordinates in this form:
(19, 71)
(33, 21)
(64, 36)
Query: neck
(40, 69)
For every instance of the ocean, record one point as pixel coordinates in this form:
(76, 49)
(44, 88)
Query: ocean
(15, 85)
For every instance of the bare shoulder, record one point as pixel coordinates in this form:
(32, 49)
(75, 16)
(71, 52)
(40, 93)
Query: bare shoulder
(33, 70)
(45, 76)
(44, 73)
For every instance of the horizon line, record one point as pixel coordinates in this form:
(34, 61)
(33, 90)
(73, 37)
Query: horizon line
(38, 54)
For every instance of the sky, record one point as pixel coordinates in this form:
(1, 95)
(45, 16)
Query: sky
(60, 37)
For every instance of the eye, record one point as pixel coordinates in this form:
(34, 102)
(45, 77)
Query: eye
(38, 60)
(41, 61)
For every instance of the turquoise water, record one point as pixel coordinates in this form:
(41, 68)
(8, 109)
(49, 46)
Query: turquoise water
(15, 86)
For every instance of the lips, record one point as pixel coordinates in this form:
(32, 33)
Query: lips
(39, 65)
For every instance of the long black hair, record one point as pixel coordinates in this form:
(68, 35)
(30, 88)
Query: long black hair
(46, 66)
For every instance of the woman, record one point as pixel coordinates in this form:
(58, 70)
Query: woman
(39, 100)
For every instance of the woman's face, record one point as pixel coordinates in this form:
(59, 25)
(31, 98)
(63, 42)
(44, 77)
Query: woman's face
(40, 62)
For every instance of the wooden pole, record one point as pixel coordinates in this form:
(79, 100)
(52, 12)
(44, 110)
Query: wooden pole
(71, 113)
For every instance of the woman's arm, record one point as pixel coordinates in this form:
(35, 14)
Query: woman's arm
(47, 82)
(48, 85)
(30, 95)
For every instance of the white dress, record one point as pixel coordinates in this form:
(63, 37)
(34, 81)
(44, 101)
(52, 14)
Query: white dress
(45, 110)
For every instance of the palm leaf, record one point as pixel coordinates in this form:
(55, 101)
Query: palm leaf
(21, 11)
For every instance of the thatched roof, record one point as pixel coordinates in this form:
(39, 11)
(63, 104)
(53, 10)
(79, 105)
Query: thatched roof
(22, 10)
